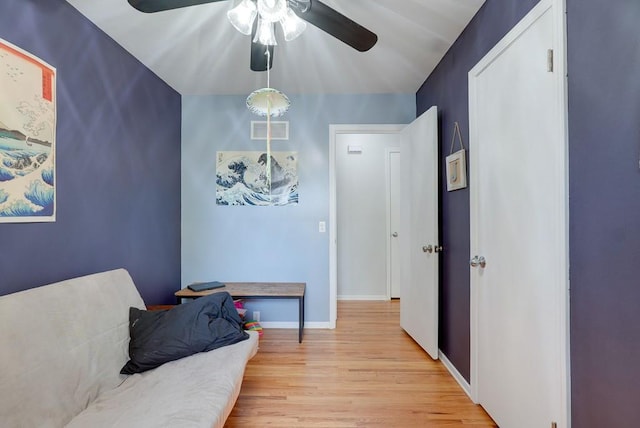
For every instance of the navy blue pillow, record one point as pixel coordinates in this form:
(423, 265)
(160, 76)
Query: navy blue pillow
(200, 325)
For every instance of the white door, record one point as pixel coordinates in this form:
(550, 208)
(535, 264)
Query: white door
(394, 219)
(419, 232)
(518, 226)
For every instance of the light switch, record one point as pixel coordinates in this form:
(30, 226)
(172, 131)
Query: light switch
(322, 227)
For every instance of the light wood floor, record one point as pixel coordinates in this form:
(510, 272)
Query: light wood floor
(366, 373)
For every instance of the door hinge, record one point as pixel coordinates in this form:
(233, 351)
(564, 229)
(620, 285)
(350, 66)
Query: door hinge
(550, 60)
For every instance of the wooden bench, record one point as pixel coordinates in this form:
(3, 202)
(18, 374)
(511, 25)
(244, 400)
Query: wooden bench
(257, 290)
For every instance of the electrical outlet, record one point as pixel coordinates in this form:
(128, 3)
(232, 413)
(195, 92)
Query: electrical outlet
(322, 227)
(256, 315)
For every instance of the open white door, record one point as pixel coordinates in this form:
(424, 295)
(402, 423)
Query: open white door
(419, 232)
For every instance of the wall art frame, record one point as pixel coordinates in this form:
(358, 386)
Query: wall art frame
(456, 163)
(456, 171)
(242, 179)
(27, 137)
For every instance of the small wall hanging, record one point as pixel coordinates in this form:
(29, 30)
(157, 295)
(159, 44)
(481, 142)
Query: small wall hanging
(456, 163)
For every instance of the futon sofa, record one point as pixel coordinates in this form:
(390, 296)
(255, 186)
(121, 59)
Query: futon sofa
(63, 346)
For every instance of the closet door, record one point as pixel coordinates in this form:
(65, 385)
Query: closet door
(518, 227)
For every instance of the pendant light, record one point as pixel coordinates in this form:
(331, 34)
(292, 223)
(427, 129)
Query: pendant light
(268, 102)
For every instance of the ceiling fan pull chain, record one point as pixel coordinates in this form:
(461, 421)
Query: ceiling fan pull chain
(268, 54)
(268, 165)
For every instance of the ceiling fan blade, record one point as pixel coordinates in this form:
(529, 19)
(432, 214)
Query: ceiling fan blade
(336, 24)
(150, 6)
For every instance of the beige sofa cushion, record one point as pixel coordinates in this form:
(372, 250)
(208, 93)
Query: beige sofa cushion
(194, 392)
(62, 345)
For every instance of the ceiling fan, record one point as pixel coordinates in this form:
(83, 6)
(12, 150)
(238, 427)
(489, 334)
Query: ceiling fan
(313, 11)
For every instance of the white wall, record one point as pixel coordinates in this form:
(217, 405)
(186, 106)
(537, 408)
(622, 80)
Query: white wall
(268, 243)
(361, 194)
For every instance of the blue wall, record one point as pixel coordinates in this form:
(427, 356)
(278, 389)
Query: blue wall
(118, 160)
(604, 176)
(244, 243)
(604, 186)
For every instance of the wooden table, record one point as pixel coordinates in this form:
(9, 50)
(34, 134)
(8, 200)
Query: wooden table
(257, 290)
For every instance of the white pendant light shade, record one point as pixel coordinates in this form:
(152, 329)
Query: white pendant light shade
(292, 25)
(243, 15)
(265, 34)
(268, 102)
(272, 10)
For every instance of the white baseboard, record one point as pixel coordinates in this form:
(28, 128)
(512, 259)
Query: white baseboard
(359, 297)
(455, 373)
(295, 325)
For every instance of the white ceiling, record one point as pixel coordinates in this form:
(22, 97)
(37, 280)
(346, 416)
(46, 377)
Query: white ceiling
(197, 51)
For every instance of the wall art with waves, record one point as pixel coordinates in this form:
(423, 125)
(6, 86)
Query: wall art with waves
(242, 179)
(27, 137)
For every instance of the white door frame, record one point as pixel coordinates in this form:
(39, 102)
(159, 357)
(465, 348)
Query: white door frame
(387, 172)
(560, 70)
(334, 130)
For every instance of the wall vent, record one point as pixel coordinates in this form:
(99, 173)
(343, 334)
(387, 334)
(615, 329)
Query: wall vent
(279, 130)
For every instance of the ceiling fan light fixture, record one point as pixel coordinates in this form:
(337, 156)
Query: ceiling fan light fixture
(243, 15)
(292, 25)
(265, 34)
(272, 10)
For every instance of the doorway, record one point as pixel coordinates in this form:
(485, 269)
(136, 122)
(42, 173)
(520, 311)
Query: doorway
(356, 136)
(417, 214)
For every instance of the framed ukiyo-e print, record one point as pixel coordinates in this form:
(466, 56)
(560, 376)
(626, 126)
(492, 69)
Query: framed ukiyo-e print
(256, 178)
(27, 137)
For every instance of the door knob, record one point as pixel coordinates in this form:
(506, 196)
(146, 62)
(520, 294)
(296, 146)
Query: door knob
(394, 234)
(478, 261)
(427, 249)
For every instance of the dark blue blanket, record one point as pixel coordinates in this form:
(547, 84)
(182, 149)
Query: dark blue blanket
(200, 325)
